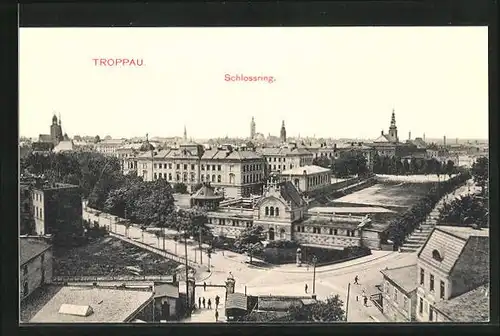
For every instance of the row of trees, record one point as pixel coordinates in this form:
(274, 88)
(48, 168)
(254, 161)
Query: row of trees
(415, 166)
(348, 164)
(408, 221)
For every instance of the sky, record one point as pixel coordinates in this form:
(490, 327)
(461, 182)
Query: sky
(332, 82)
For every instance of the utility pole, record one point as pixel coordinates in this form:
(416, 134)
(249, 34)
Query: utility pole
(201, 251)
(347, 303)
(163, 230)
(315, 260)
(186, 266)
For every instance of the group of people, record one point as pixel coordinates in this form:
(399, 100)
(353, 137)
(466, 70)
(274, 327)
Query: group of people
(363, 293)
(208, 304)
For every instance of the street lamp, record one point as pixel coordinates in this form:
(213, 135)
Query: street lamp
(314, 260)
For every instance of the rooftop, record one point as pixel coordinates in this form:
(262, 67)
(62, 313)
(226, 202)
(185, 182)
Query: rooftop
(405, 277)
(29, 248)
(45, 185)
(473, 306)
(108, 305)
(305, 170)
(353, 210)
(206, 192)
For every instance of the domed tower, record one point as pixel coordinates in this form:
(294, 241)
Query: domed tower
(252, 129)
(393, 130)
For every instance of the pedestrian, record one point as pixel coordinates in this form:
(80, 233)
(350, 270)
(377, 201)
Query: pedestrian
(305, 288)
(217, 300)
(209, 304)
(205, 286)
(366, 301)
(199, 302)
(216, 315)
(363, 293)
(356, 280)
(203, 303)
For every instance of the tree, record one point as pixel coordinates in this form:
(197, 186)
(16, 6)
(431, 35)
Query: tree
(450, 168)
(479, 173)
(250, 240)
(180, 188)
(97, 139)
(322, 161)
(465, 211)
(330, 310)
(154, 203)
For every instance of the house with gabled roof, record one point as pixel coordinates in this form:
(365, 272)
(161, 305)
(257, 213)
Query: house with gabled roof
(453, 262)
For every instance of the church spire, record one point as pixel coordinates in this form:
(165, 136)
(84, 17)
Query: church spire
(283, 132)
(185, 133)
(393, 119)
(393, 130)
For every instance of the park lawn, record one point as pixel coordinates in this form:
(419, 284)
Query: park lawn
(108, 256)
(389, 193)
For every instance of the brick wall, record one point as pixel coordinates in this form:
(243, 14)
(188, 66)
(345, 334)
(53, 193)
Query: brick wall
(325, 240)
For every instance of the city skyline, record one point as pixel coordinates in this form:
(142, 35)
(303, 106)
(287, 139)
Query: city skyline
(321, 88)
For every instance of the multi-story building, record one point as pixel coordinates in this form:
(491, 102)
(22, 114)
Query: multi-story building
(27, 224)
(453, 262)
(109, 147)
(236, 172)
(287, 157)
(57, 209)
(282, 213)
(308, 179)
(399, 298)
(35, 258)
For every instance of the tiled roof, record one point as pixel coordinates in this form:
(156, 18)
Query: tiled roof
(284, 151)
(464, 232)
(473, 306)
(381, 138)
(335, 222)
(404, 277)
(307, 169)
(291, 194)
(449, 247)
(206, 192)
(108, 305)
(64, 145)
(30, 248)
(167, 290)
(230, 155)
(236, 301)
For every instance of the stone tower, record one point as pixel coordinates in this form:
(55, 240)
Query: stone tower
(56, 130)
(252, 128)
(283, 132)
(393, 130)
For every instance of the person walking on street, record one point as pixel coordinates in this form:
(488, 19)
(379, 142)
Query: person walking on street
(363, 293)
(199, 302)
(216, 315)
(365, 299)
(205, 286)
(203, 302)
(356, 280)
(217, 300)
(305, 288)
(209, 304)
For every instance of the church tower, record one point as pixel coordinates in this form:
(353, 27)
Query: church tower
(393, 130)
(56, 130)
(283, 132)
(252, 129)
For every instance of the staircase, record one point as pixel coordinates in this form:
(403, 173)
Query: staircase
(418, 238)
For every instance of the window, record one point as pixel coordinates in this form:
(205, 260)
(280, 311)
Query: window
(267, 211)
(395, 295)
(36, 211)
(154, 166)
(213, 167)
(213, 178)
(178, 177)
(192, 167)
(25, 270)
(386, 287)
(271, 211)
(331, 231)
(170, 176)
(279, 159)
(335, 231)
(178, 166)
(317, 230)
(437, 256)
(277, 211)
(284, 159)
(202, 178)
(155, 176)
(421, 306)
(441, 289)
(202, 167)
(185, 166)
(219, 167)
(431, 314)
(422, 276)
(185, 177)
(405, 303)
(274, 159)
(274, 167)
(219, 178)
(208, 178)
(192, 177)
(160, 165)
(208, 167)
(431, 283)
(41, 215)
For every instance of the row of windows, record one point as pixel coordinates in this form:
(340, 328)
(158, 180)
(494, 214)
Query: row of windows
(252, 167)
(432, 313)
(38, 212)
(37, 197)
(271, 211)
(315, 180)
(252, 178)
(317, 230)
(233, 222)
(395, 296)
(274, 159)
(431, 283)
(279, 167)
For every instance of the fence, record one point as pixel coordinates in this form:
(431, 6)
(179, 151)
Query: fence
(92, 278)
(377, 301)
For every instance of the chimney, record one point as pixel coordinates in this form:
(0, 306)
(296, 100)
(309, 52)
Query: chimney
(444, 140)
(382, 132)
(409, 135)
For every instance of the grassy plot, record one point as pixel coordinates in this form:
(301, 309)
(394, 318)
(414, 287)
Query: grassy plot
(110, 257)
